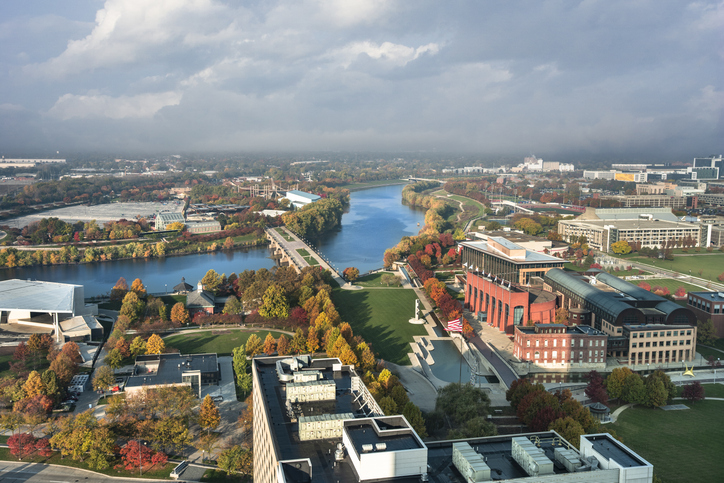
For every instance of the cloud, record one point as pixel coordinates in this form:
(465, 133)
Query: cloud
(71, 106)
(394, 54)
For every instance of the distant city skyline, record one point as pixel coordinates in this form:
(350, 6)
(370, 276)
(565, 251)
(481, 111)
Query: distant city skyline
(598, 80)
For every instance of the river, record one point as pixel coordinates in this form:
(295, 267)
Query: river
(376, 220)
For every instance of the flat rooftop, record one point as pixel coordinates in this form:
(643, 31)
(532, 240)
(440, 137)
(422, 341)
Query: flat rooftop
(609, 448)
(170, 367)
(37, 296)
(710, 296)
(530, 256)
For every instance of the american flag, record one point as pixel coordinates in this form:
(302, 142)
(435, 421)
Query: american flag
(455, 325)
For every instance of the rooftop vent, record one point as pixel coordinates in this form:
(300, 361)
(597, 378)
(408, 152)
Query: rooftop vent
(381, 446)
(366, 448)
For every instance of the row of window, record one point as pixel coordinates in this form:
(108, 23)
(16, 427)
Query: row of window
(661, 344)
(593, 356)
(668, 333)
(591, 343)
(705, 306)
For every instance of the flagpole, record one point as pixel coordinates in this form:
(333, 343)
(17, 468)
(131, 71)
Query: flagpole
(460, 371)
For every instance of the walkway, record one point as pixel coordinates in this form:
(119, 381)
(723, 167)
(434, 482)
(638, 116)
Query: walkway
(501, 369)
(290, 248)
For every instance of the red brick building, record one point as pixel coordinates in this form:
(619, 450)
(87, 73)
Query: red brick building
(506, 306)
(561, 346)
(709, 305)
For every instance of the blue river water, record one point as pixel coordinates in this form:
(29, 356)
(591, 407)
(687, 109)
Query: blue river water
(375, 221)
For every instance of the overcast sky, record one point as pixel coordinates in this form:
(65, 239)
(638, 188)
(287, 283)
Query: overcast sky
(560, 78)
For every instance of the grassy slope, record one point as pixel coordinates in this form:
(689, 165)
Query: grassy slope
(711, 264)
(218, 341)
(683, 446)
(373, 280)
(381, 318)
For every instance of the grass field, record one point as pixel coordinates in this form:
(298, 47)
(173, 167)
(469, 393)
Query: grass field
(381, 318)
(710, 264)
(669, 283)
(683, 446)
(471, 205)
(374, 280)
(284, 234)
(307, 257)
(221, 341)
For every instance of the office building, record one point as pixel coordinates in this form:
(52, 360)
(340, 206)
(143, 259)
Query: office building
(336, 433)
(558, 346)
(708, 306)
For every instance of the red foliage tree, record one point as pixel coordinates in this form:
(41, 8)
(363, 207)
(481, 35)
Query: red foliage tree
(692, 392)
(21, 445)
(596, 390)
(135, 454)
(42, 445)
(645, 286)
(680, 292)
(38, 405)
(544, 417)
(299, 316)
(21, 352)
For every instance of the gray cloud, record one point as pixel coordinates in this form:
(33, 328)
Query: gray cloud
(563, 78)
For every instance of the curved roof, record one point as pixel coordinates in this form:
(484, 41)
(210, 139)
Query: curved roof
(628, 288)
(603, 300)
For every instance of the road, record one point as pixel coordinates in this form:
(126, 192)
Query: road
(11, 472)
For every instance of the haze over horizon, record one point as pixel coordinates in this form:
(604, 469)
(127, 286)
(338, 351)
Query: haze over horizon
(560, 79)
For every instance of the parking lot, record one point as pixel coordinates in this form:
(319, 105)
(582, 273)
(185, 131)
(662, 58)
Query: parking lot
(100, 213)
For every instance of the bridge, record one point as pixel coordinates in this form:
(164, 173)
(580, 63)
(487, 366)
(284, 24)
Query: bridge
(516, 207)
(284, 245)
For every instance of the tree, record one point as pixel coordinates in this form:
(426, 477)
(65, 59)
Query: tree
(103, 378)
(236, 460)
(615, 381)
(179, 314)
(693, 392)
(254, 345)
(706, 333)
(569, 428)
(72, 350)
(155, 345)
(138, 288)
(562, 316)
(211, 281)
(414, 416)
(21, 445)
(176, 225)
(621, 247)
(114, 359)
(33, 385)
(659, 389)
(40, 344)
(388, 406)
(298, 344)
(64, 368)
(596, 390)
(274, 303)
(233, 306)
(462, 402)
(138, 346)
(209, 417)
(239, 361)
(51, 384)
(119, 290)
(282, 345)
(135, 455)
(270, 344)
(350, 273)
(634, 390)
(132, 307)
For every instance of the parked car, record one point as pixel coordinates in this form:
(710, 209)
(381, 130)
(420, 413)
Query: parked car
(217, 399)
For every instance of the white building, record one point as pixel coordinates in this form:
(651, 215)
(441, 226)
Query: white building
(301, 198)
(165, 219)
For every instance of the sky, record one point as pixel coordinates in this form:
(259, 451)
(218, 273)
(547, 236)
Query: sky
(609, 78)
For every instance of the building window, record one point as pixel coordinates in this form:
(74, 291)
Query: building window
(527, 343)
(563, 343)
(518, 315)
(537, 343)
(545, 343)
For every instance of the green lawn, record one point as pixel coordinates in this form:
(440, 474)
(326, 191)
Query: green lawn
(683, 446)
(374, 280)
(714, 390)
(381, 318)
(669, 283)
(284, 234)
(710, 264)
(221, 341)
(476, 208)
(307, 257)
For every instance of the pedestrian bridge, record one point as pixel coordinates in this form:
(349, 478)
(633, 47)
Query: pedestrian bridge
(284, 245)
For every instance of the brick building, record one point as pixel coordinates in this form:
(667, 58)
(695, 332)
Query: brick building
(709, 305)
(561, 346)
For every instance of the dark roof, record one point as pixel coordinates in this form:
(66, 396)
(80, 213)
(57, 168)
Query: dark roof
(608, 447)
(200, 299)
(183, 286)
(171, 366)
(606, 301)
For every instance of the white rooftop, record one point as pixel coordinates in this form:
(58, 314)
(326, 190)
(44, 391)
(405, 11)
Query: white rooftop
(38, 296)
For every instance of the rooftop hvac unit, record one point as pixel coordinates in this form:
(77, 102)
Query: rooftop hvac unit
(381, 446)
(366, 448)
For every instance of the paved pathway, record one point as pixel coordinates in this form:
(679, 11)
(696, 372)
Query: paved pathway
(420, 390)
(502, 370)
(617, 412)
(291, 247)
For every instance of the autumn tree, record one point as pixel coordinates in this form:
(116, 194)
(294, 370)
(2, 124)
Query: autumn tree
(179, 314)
(569, 428)
(72, 350)
(138, 346)
(254, 345)
(596, 390)
(236, 460)
(211, 281)
(274, 303)
(103, 378)
(282, 345)
(21, 445)
(64, 368)
(119, 290)
(155, 345)
(138, 288)
(351, 273)
(113, 359)
(233, 306)
(209, 417)
(132, 307)
(270, 344)
(615, 381)
(33, 385)
(693, 392)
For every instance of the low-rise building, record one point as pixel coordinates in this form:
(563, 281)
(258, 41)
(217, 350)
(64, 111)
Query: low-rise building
(558, 346)
(200, 301)
(660, 343)
(166, 218)
(209, 226)
(168, 370)
(708, 306)
(301, 198)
